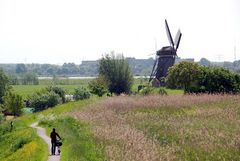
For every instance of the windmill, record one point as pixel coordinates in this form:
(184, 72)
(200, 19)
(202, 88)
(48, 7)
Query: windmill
(165, 58)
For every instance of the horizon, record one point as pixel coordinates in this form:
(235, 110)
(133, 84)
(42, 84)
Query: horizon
(125, 57)
(58, 31)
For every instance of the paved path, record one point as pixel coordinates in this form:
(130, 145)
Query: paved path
(42, 133)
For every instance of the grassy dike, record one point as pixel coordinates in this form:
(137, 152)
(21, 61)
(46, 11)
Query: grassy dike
(22, 143)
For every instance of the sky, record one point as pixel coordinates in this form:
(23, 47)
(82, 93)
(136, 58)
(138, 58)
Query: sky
(59, 31)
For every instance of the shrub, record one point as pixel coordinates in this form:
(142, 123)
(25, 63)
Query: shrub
(40, 101)
(4, 128)
(3, 85)
(194, 78)
(162, 91)
(13, 103)
(219, 80)
(81, 93)
(147, 90)
(98, 86)
(58, 90)
(2, 118)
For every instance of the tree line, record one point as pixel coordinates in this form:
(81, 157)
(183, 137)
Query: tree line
(139, 67)
(86, 68)
(195, 78)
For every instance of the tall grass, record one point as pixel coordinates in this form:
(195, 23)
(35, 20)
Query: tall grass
(186, 127)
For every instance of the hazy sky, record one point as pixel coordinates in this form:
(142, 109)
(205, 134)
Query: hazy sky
(58, 31)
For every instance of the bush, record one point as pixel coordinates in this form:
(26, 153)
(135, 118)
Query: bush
(162, 91)
(41, 101)
(3, 85)
(4, 128)
(194, 78)
(98, 86)
(1, 114)
(219, 80)
(81, 93)
(146, 90)
(13, 103)
(2, 117)
(58, 90)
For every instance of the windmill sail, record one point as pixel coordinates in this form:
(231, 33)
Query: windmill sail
(170, 39)
(177, 39)
(153, 70)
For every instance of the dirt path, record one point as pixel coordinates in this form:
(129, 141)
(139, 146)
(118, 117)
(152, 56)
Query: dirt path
(42, 133)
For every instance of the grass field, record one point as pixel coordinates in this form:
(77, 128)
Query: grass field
(64, 81)
(70, 84)
(27, 90)
(190, 127)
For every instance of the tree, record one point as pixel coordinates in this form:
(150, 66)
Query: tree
(205, 62)
(70, 68)
(13, 103)
(184, 75)
(13, 79)
(220, 80)
(21, 68)
(30, 79)
(98, 86)
(117, 72)
(195, 78)
(3, 85)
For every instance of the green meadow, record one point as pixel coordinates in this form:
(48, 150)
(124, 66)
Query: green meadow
(70, 84)
(141, 128)
(154, 127)
(27, 90)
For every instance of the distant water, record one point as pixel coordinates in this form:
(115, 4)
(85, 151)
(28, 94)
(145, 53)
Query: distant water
(67, 77)
(41, 78)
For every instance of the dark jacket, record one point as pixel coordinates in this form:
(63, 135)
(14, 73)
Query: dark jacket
(54, 135)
